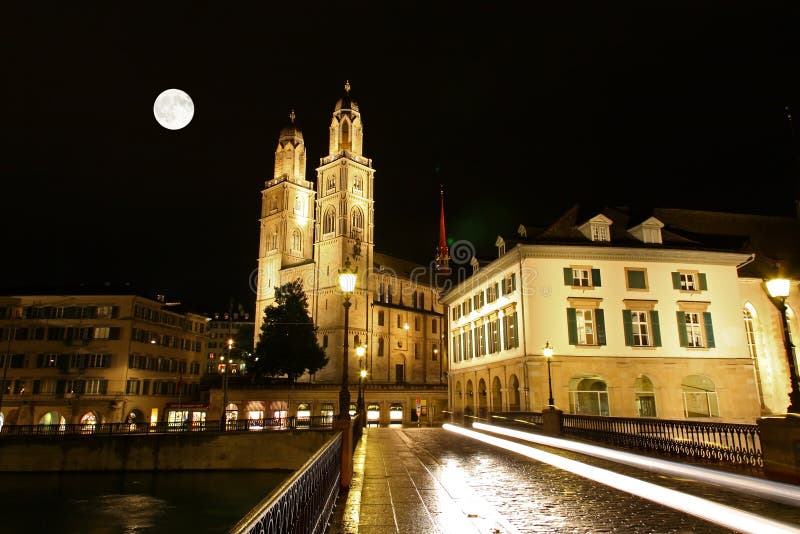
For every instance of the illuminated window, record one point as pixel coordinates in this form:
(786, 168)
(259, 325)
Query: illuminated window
(581, 277)
(600, 232)
(297, 241)
(588, 396)
(641, 324)
(357, 222)
(689, 281)
(645, 397)
(694, 331)
(750, 333)
(699, 397)
(329, 221)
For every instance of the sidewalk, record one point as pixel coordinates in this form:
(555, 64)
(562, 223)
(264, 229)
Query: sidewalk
(399, 488)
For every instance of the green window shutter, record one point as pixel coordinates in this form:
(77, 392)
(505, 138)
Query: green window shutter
(703, 282)
(636, 280)
(516, 334)
(504, 329)
(654, 324)
(709, 330)
(596, 277)
(600, 317)
(684, 339)
(103, 387)
(676, 280)
(567, 276)
(572, 326)
(513, 281)
(37, 386)
(627, 324)
(497, 336)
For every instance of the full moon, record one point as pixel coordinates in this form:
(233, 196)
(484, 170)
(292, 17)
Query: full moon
(173, 109)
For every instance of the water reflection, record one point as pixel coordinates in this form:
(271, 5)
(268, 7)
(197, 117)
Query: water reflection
(115, 503)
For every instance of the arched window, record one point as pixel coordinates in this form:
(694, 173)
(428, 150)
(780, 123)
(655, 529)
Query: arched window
(699, 397)
(273, 240)
(329, 221)
(750, 332)
(588, 395)
(357, 225)
(645, 397)
(750, 326)
(297, 241)
(345, 133)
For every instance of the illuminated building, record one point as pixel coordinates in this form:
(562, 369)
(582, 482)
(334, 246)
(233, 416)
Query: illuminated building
(657, 315)
(101, 357)
(308, 231)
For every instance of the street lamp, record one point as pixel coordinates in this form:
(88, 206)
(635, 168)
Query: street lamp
(548, 354)
(347, 283)
(223, 422)
(360, 351)
(778, 289)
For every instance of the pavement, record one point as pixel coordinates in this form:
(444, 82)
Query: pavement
(398, 487)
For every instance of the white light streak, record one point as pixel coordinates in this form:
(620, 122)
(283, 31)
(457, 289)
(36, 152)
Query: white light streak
(717, 513)
(776, 491)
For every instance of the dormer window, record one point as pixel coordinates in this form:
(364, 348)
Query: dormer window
(598, 228)
(600, 232)
(648, 231)
(501, 246)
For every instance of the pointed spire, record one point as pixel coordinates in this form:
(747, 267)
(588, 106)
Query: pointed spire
(442, 252)
(347, 86)
(291, 116)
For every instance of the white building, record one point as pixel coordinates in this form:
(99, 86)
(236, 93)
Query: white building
(646, 317)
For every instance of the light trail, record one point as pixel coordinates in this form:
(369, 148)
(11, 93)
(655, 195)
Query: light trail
(720, 514)
(775, 491)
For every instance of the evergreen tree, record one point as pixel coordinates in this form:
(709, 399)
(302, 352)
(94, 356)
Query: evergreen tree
(287, 344)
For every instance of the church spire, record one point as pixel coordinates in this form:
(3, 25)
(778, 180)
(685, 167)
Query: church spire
(442, 253)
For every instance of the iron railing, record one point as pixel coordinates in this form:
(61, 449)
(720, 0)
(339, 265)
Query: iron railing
(304, 502)
(105, 429)
(726, 442)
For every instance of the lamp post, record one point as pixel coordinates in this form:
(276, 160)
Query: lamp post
(360, 351)
(347, 283)
(223, 421)
(778, 289)
(548, 354)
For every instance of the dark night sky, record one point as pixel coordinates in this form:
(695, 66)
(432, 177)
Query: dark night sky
(519, 113)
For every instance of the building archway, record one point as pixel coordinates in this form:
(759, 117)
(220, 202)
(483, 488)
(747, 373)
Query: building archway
(497, 395)
(699, 397)
(53, 419)
(469, 408)
(588, 395)
(644, 397)
(513, 394)
(482, 399)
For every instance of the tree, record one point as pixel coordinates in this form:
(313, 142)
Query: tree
(287, 344)
(243, 340)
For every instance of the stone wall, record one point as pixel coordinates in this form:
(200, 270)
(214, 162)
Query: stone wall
(162, 452)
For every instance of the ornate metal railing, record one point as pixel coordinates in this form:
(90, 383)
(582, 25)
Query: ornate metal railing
(727, 442)
(732, 443)
(105, 429)
(302, 504)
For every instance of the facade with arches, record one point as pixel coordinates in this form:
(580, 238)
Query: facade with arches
(97, 358)
(311, 229)
(644, 320)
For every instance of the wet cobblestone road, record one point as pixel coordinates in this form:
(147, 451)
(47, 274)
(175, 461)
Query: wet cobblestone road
(536, 497)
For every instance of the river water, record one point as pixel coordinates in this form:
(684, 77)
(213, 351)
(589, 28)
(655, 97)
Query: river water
(114, 503)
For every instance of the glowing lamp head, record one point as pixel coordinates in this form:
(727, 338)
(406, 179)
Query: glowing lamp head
(230, 344)
(360, 350)
(547, 350)
(363, 373)
(347, 279)
(405, 326)
(778, 287)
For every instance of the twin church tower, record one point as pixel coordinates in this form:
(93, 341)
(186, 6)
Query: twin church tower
(310, 230)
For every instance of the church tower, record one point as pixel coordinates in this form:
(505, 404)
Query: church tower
(344, 230)
(442, 257)
(287, 223)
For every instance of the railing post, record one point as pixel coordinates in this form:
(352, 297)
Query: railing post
(551, 421)
(346, 427)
